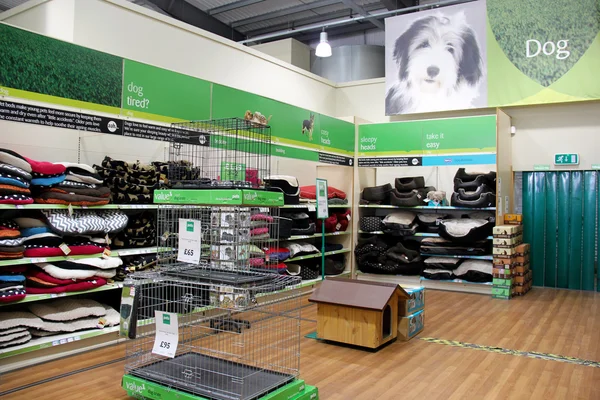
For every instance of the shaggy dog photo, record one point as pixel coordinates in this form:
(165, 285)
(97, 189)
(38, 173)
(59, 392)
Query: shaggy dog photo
(439, 66)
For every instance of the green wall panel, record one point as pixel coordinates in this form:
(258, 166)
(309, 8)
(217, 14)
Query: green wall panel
(576, 226)
(564, 208)
(551, 224)
(539, 227)
(589, 229)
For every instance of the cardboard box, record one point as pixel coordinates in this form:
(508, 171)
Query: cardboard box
(520, 290)
(503, 262)
(520, 269)
(523, 249)
(507, 242)
(414, 304)
(524, 278)
(503, 282)
(502, 272)
(507, 231)
(521, 260)
(411, 325)
(503, 252)
(501, 293)
(513, 219)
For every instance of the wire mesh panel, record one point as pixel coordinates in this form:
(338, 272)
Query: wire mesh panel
(224, 153)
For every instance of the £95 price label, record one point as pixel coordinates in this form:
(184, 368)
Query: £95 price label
(166, 338)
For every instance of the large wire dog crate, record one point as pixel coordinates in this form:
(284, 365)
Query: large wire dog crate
(221, 153)
(238, 317)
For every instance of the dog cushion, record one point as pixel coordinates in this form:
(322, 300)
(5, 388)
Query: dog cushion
(465, 230)
(10, 331)
(409, 183)
(38, 180)
(67, 309)
(445, 263)
(376, 193)
(13, 158)
(66, 270)
(26, 222)
(15, 171)
(429, 222)
(437, 274)
(9, 229)
(14, 319)
(475, 271)
(310, 230)
(15, 339)
(11, 189)
(485, 200)
(85, 221)
(400, 219)
(13, 294)
(64, 198)
(110, 318)
(474, 195)
(69, 166)
(299, 249)
(473, 179)
(412, 198)
(94, 179)
(371, 224)
(442, 246)
(73, 287)
(14, 180)
(15, 199)
(310, 192)
(287, 184)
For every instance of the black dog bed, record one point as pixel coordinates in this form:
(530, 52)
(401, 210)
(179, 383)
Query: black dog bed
(411, 198)
(471, 181)
(376, 193)
(485, 200)
(286, 184)
(409, 183)
(429, 222)
(476, 194)
(442, 246)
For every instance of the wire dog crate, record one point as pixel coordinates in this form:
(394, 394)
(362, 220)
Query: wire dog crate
(221, 153)
(238, 317)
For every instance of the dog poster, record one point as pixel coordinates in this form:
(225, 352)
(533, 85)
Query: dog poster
(435, 60)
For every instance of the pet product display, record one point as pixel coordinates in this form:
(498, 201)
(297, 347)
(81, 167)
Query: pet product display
(474, 189)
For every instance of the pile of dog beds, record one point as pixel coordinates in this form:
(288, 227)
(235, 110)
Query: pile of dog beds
(406, 192)
(474, 189)
(15, 178)
(54, 317)
(387, 255)
(130, 182)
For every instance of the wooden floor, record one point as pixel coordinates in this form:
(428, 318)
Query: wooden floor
(549, 321)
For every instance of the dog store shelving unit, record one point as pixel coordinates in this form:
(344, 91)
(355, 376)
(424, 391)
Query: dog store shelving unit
(48, 347)
(482, 143)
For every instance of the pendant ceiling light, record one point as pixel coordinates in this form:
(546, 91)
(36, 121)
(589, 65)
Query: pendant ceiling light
(323, 48)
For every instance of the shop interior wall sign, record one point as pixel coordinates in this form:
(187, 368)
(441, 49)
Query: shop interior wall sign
(491, 53)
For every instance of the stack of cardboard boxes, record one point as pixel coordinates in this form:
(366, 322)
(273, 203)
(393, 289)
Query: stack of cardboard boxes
(512, 276)
(411, 313)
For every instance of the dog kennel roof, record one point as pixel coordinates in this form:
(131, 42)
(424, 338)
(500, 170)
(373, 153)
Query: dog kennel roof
(355, 293)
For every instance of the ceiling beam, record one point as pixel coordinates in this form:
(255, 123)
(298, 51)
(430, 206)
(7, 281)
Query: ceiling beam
(392, 4)
(359, 10)
(232, 6)
(283, 12)
(308, 21)
(190, 14)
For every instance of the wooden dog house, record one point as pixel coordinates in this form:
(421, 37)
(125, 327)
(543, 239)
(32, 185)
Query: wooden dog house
(356, 312)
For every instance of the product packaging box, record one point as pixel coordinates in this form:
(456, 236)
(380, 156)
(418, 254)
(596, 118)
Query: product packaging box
(523, 279)
(414, 304)
(507, 242)
(521, 259)
(411, 325)
(523, 249)
(520, 290)
(507, 231)
(504, 282)
(499, 252)
(501, 292)
(500, 272)
(513, 219)
(521, 269)
(500, 262)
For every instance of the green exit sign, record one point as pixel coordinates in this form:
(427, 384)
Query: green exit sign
(566, 159)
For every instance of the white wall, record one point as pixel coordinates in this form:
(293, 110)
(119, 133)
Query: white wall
(54, 18)
(130, 31)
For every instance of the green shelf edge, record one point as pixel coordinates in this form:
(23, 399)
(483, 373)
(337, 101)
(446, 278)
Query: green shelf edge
(418, 234)
(114, 253)
(47, 341)
(63, 207)
(328, 253)
(445, 208)
(315, 206)
(30, 298)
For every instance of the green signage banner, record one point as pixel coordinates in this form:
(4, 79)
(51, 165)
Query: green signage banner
(427, 137)
(151, 90)
(289, 124)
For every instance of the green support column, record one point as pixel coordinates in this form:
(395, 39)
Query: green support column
(589, 229)
(564, 207)
(551, 231)
(576, 227)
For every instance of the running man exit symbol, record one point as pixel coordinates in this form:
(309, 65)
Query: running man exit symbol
(566, 159)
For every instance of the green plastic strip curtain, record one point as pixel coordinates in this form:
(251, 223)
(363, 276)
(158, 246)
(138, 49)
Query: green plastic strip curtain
(561, 211)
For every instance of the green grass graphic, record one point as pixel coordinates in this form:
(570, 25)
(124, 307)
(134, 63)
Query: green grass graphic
(43, 65)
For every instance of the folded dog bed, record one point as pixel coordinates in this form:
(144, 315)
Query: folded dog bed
(45, 167)
(13, 294)
(111, 318)
(13, 189)
(71, 270)
(286, 184)
(15, 171)
(371, 224)
(13, 158)
(16, 199)
(281, 228)
(15, 339)
(9, 229)
(476, 194)
(73, 287)
(85, 221)
(45, 180)
(465, 230)
(98, 192)
(409, 183)
(475, 271)
(484, 200)
(310, 192)
(95, 179)
(440, 246)
(14, 319)
(377, 193)
(472, 180)
(67, 309)
(18, 329)
(301, 249)
(445, 263)
(310, 230)
(437, 274)
(411, 198)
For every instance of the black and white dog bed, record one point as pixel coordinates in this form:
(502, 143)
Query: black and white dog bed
(484, 200)
(475, 271)
(465, 230)
(442, 246)
(429, 222)
(286, 184)
(445, 263)
(473, 179)
(437, 274)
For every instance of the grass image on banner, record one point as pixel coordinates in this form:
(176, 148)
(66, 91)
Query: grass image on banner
(40, 64)
(544, 39)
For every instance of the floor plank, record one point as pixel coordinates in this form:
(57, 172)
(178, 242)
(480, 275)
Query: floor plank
(550, 321)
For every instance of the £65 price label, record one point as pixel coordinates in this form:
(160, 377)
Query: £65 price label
(189, 241)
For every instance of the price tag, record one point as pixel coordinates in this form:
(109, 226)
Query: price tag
(189, 241)
(264, 210)
(70, 208)
(167, 334)
(312, 207)
(65, 249)
(106, 253)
